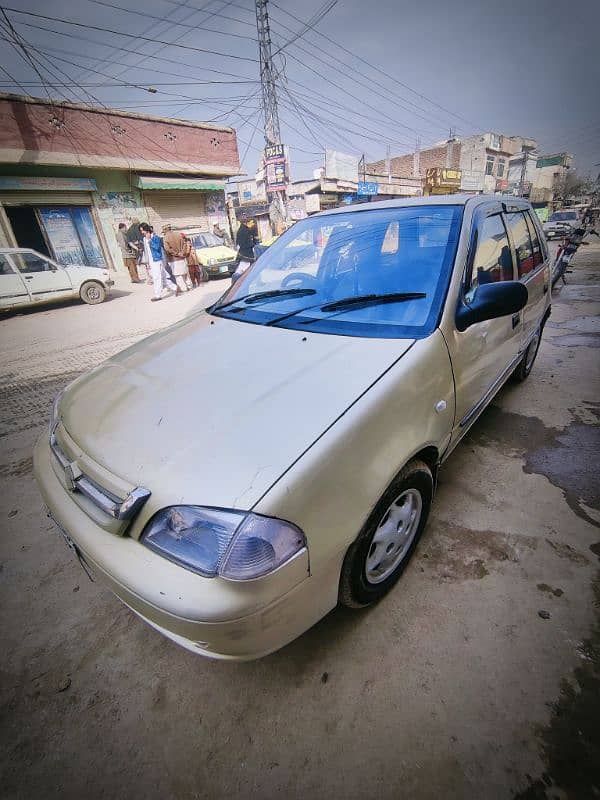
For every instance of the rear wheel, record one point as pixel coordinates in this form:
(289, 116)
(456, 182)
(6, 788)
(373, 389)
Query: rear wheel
(92, 293)
(376, 560)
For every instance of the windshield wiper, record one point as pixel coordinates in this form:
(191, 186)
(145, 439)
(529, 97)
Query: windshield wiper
(360, 301)
(258, 296)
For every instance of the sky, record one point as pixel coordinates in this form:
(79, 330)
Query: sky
(365, 76)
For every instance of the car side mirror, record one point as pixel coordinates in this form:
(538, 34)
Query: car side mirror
(490, 301)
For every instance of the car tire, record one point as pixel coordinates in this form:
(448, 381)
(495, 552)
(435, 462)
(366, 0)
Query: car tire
(526, 363)
(92, 293)
(378, 557)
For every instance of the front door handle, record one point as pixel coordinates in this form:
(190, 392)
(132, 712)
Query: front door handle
(515, 320)
(28, 277)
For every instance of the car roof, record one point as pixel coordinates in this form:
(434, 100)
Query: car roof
(457, 199)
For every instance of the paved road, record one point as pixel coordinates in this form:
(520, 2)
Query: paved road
(452, 687)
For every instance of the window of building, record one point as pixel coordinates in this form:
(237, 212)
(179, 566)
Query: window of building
(495, 141)
(492, 261)
(520, 233)
(489, 165)
(536, 246)
(501, 167)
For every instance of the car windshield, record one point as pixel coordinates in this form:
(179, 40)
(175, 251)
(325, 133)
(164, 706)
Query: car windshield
(206, 240)
(389, 266)
(561, 216)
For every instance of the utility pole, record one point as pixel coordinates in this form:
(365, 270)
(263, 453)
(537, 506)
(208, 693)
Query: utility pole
(268, 81)
(388, 163)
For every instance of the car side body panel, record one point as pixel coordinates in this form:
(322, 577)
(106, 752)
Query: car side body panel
(330, 491)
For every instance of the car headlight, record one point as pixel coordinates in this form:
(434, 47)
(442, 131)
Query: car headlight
(236, 545)
(211, 261)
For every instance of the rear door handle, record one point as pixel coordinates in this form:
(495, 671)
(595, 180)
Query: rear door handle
(515, 320)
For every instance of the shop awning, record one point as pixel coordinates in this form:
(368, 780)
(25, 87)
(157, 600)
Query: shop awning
(191, 184)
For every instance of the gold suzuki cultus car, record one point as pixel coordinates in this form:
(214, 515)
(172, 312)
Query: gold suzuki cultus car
(333, 379)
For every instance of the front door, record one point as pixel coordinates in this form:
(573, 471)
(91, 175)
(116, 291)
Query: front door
(13, 290)
(484, 353)
(44, 279)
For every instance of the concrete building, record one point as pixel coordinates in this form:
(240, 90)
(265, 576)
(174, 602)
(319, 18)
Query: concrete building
(69, 174)
(483, 161)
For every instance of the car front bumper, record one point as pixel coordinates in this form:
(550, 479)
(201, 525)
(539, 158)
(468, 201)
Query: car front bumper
(220, 270)
(188, 622)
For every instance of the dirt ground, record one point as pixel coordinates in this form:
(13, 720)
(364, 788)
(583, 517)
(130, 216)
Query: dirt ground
(477, 677)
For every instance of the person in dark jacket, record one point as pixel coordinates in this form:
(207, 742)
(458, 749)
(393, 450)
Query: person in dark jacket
(245, 240)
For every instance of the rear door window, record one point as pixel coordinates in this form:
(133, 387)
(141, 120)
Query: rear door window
(536, 246)
(534, 232)
(523, 247)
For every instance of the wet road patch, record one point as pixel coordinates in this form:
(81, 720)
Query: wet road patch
(568, 458)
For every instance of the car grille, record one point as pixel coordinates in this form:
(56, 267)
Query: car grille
(121, 509)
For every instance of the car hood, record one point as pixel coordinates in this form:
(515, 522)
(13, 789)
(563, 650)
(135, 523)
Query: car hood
(219, 251)
(213, 411)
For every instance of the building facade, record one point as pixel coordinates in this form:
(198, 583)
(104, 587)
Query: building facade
(69, 174)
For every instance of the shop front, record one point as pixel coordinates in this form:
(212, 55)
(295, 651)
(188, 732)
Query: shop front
(183, 202)
(55, 216)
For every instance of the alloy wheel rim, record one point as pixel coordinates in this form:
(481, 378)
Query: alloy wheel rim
(394, 536)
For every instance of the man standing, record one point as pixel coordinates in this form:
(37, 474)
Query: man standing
(245, 240)
(129, 259)
(153, 249)
(175, 248)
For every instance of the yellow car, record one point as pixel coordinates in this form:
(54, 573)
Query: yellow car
(218, 259)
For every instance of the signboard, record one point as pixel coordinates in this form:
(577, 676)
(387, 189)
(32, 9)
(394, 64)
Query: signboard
(72, 235)
(367, 188)
(276, 171)
(542, 213)
(443, 178)
(471, 180)
(276, 175)
(51, 184)
(273, 152)
(341, 165)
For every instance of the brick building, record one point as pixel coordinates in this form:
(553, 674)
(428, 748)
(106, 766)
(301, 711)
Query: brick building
(69, 174)
(483, 160)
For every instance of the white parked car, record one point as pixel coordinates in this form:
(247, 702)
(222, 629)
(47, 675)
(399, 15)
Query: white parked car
(561, 223)
(27, 277)
(332, 381)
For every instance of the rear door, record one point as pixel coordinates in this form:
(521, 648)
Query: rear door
(13, 291)
(483, 355)
(44, 279)
(533, 270)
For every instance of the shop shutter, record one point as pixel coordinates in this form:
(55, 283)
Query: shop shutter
(46, 199)
(181, 209)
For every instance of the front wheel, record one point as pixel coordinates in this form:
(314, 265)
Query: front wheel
(526, 363)
(92, 293)
(376, 560)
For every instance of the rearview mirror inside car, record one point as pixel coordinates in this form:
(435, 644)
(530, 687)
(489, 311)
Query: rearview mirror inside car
(490, 301)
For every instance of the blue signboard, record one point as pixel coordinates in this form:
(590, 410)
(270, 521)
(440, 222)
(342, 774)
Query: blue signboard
(348, 198)
(366, 188)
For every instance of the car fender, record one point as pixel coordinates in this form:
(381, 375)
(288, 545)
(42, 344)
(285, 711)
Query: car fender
(331, 489)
